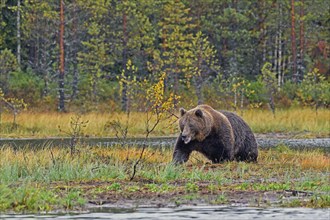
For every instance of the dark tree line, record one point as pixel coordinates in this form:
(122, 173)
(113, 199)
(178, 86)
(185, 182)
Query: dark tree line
(84, 51)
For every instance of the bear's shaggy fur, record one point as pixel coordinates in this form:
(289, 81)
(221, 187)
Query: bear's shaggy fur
(219, 135)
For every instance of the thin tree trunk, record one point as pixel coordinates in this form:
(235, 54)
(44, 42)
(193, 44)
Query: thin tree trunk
(44, 69)
(302, 39)
(75, 49)
(124, 97)
(176, 79)
(233, 42)
(94, 87)
(272, 102)
(19, 34)
(242, 101)
(235, 99)
(288, 63)
(275, 57)
(293, 44)
(275, 54)
(283, 66)
(199, 79)
(61, 106)
(279, 60)
(279, 70)
(36, 43)
(263, 33)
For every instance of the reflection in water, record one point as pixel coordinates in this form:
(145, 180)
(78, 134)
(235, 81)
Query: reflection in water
(188, 212)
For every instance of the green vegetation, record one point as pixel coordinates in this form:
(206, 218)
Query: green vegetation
(52, 179)
(31, 197)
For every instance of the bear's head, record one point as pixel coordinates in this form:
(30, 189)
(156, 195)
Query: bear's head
(195, 124)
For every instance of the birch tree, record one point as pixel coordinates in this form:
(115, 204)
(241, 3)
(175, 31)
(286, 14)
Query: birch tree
(61, 105)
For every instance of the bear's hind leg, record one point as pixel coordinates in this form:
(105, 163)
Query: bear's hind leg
(217, 154)
(247, 153)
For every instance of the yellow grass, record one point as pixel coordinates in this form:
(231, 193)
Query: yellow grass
(317, 162)
(132, 153)
(292, 120)
(30, 159)
(296, 121)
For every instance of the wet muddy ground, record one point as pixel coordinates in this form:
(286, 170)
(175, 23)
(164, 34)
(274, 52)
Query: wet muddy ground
(140, 194)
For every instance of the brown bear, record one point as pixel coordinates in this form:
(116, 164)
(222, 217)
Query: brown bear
(219, 135)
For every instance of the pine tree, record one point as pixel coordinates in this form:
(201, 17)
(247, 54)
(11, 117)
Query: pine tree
(176, 35)
(39, 44)
(204, 63)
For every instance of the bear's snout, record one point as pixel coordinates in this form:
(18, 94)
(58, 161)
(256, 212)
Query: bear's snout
(186, 139)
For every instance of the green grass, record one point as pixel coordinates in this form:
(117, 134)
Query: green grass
(52, 179)
(30, 197)
(302, 122)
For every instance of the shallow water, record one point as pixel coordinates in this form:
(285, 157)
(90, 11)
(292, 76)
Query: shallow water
(188, 212)
(299, 144)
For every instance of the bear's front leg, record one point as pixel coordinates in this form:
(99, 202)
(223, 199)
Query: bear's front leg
(227, 140)
(181, 151)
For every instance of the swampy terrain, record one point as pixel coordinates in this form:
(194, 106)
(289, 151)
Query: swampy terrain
(54, 179)
(103, 174)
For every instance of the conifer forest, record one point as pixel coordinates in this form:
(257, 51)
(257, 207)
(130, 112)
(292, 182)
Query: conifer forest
(120, 55)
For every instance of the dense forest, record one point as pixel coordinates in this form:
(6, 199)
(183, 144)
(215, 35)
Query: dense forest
(115, 54)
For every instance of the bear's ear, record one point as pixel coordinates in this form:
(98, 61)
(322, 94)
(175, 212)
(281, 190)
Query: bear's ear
(199, 113)
(182, 111)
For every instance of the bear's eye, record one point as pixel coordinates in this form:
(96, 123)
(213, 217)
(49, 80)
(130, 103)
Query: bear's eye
(192, 128)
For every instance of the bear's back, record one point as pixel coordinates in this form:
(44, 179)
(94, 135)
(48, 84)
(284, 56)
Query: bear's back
(236, 120)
